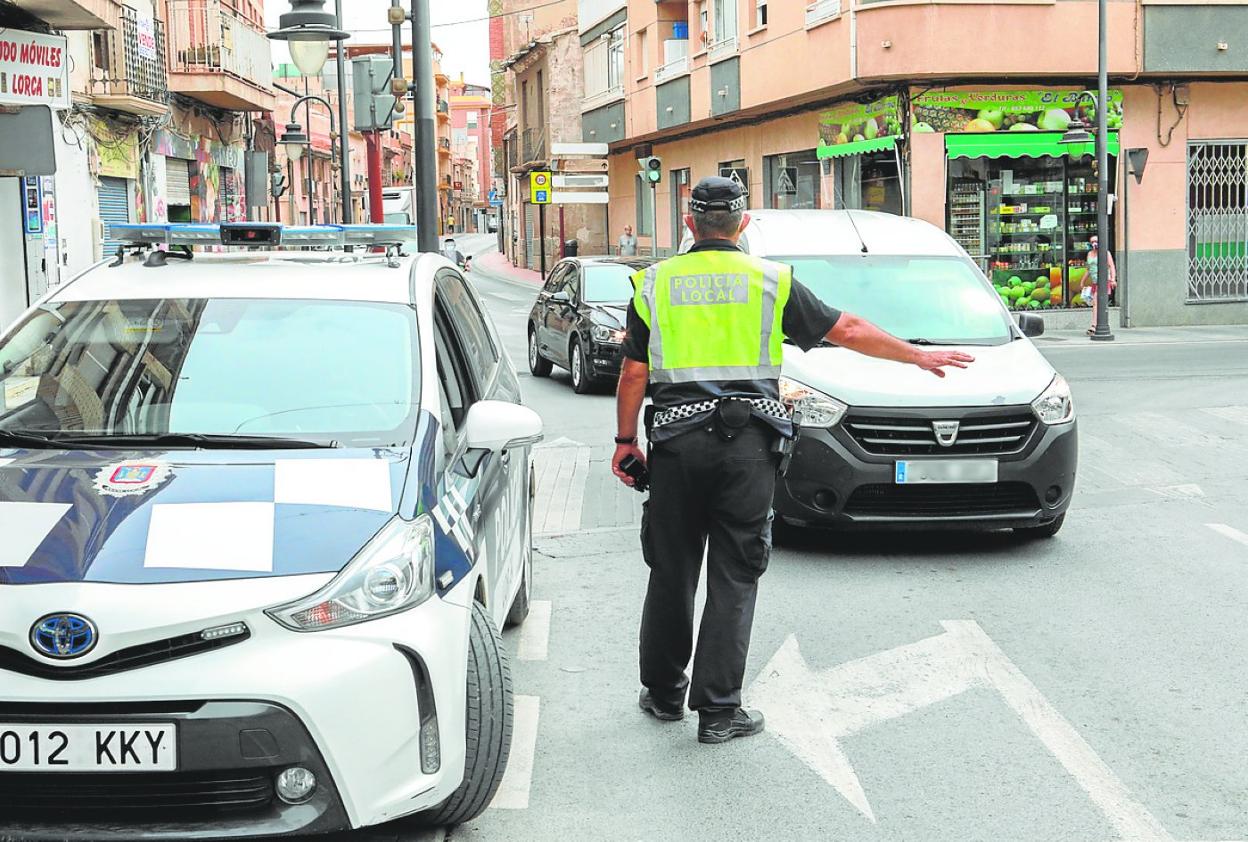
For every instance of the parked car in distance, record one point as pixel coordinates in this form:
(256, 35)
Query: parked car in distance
(578, 319)
(994, 445)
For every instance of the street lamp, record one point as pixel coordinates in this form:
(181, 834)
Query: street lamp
(295, 139)
(307, 29)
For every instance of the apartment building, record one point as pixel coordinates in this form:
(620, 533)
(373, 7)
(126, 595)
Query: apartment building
(471, 140)
(537, 51)
(951, 112)
(151, 104)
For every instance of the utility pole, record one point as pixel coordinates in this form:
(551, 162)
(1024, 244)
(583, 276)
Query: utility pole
(425, 171)
(344, 148)
(1101, 331)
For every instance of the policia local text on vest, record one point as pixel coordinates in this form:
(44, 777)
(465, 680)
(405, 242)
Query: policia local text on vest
(707, 329)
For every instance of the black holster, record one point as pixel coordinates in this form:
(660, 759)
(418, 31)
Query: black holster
(731, 416)
(786, 445)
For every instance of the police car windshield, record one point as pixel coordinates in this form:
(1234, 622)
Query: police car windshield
(942, 300)
(608, 284)
(307, 370)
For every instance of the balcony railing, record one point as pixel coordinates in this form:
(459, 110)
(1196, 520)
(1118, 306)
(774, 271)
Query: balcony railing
(821, 11)
(533, 145)
(671, 70)
(722, 49)
(444, 107)
(444, 143)
(129, 62)
(600, 98)
(206, 37)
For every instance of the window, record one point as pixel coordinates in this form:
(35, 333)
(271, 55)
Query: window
(645, 207)
(473, 332)
(555, 280)
(472, 118)
(452, 377)
(760, 13)
(725, 20)
(682, 190)
(704, 27)
(604, 63)
(792, 181)
(643, 57)
(215, 366)
(608, 284)
(1217, 221)
(541, 102)
(615, 58)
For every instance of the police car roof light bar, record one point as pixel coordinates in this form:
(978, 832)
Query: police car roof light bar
(261, 235)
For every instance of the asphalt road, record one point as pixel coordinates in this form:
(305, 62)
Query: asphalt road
(930, 687)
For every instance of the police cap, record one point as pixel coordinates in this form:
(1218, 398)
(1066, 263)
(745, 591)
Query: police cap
(717, 194)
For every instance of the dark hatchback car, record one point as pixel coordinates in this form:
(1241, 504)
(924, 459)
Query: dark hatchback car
(577, 321)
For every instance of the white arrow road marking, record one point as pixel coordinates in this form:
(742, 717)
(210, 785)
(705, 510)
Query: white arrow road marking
(1229, 532)
(811, 712)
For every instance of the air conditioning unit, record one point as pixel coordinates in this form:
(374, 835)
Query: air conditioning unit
(675, 49)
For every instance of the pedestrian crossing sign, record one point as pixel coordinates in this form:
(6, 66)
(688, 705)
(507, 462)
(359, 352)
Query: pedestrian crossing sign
(539, 187)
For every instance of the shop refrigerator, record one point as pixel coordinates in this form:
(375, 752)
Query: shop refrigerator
(966, 217)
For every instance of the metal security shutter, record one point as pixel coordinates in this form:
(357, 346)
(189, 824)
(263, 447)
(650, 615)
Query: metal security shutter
(177, 181)
(114, 197)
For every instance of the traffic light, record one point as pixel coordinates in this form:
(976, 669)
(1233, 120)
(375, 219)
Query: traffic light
(375, 104)
(652, 169)
(277, 184)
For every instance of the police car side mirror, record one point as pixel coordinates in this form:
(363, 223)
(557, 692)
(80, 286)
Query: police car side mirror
(498, 425)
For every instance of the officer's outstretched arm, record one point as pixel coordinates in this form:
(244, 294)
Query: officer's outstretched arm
(860, 335)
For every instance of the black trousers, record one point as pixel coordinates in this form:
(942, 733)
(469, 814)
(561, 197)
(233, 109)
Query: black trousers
(705, 494)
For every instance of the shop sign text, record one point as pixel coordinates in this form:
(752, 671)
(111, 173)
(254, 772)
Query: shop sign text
(33, 69)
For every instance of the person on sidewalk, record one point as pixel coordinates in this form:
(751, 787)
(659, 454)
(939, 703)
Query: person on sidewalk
(1089, 284)
(627, 246)
(716, 437)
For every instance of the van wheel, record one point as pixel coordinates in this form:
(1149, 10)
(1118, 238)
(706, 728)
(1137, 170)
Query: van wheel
(489, 719)
(1047, 530)
(539, 366)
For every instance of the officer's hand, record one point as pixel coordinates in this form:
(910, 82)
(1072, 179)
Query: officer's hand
(622, 452)
(936, 361)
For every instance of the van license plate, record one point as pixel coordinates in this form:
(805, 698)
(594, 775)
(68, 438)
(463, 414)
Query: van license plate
(88, 748)
(946, 470)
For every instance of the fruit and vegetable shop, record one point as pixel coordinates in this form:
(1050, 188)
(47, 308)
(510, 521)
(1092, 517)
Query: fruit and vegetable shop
(1019, 200)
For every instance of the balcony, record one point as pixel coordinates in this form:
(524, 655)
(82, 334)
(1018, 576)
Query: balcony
(722, 49)
(821, 11)
(128, 72)
(444, 111)
(218, 58)
(444, 146)
(533, 145)
(671, 70)
(74, 14)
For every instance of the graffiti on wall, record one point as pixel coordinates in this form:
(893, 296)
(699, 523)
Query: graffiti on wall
(215, 194)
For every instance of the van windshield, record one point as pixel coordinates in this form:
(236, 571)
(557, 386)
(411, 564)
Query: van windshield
(941, 300)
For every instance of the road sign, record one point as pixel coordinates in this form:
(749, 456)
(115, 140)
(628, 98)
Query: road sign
(786, 181)
(495, 199)
(580, 197)
(579, 165)
(741, 175)
(580, 180)
(588, 149)
(539, 187)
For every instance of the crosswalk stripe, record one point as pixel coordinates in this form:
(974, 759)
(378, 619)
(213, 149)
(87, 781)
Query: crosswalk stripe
(1229, 532)
(513, 792)
(534, 643)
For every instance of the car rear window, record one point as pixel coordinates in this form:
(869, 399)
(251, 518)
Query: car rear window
(337, 371)
(940, 299)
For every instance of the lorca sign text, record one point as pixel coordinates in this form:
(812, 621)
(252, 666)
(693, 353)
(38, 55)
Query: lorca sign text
(33, 70)
(710, 289)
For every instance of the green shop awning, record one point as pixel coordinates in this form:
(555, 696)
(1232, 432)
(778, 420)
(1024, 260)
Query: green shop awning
(857, 147)
(1019, 145)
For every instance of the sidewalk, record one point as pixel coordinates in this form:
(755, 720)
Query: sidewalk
(1151, 335)
(497, 265)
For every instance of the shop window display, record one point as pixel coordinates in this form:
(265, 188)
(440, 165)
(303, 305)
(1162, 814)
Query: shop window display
(1027, 222)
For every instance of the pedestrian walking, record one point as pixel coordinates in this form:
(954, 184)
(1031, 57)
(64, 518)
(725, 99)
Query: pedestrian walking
(627, 246)
(717, 433)
(1090, 280)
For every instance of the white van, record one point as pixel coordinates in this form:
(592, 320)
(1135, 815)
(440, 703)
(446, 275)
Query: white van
(994, 445)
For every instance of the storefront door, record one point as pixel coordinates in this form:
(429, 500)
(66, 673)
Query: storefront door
(114, 196)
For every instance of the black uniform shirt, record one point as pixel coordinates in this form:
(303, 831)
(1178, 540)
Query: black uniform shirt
(805, 321)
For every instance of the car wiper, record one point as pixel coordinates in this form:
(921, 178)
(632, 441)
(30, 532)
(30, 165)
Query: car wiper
(20, 438)
(206, 441)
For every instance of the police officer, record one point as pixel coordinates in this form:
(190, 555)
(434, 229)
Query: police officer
(705, 328)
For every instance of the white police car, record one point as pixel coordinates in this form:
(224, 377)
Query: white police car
(263, 514)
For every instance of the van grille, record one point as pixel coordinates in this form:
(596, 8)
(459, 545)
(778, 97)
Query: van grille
(943, 500)
(980, 435)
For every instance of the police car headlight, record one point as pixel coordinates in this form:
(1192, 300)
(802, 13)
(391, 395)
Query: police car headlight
(392, 573)
(818, 409)
(1055, 404)
(605, 334)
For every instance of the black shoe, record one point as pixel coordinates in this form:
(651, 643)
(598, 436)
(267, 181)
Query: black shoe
(720, 727)
(647, 702)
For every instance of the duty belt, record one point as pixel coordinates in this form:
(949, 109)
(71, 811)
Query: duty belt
(761, 406)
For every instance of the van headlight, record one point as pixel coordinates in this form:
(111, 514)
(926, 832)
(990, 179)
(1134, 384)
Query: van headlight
(818, 409)
(1055, 405)
(393, 572)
